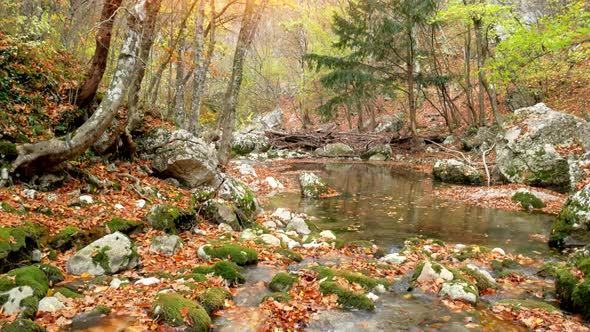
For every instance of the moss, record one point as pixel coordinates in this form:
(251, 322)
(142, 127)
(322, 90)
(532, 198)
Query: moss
(282, 282)
(8, 151)
(67, 238)
(565, 284)
(6, 284)
(213, 299)
(101, 258)
(548, 270)
(505, 264)
(175, 310)
(237, 254)
(164, 217)
(53, 273)
(277, 296)
(527, 303)
(347, 298)
(196, 277)
(124, 226)
(289, 254)
(581, 298)
(528, 200)
(29, 307)
(22, 325)
(480, 280)
(52, 254)
(203, 269)
(33, 277)
(367, 283)
(229, 271)
(583, 265)
(509, 273)
(470, 252)
(563, 226)
(68, 293)
(16, 245)
(10, 209)
(418, 270)
(103, 309)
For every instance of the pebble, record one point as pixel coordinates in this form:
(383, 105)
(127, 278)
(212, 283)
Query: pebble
(30, 193)
(119, 206)
(147, 281)
(115, 283)
(86, 199)
(140, 203)
(372, 297)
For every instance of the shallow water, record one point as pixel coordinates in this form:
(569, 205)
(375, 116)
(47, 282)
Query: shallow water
(388, 205)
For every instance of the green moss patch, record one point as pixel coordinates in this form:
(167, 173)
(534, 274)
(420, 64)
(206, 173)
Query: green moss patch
(229, 271)
(171, 219)
(277, 296)
(290, 255)
(33, 277)
(22, 325)
(124, 226)
(367, 283)
(213, 299)
(68, 293)
(347, 298)
(175, 310)
(16, 246)
(67, 238)
(528, 200)
(527, 303)
(282, 282)
(54, 274)
(237, 254)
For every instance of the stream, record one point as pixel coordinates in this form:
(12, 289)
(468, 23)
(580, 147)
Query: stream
(387, 205)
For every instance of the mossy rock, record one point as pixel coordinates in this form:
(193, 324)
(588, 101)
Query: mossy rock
(213, 299)
(124, 226)
(505, 264)
(10, 209)
(581, 298)
(574, 212)
(8, 151)
(175, 310)
(219, 211)
(470, 252)
(229, 271)
(528, 200)
(277, 296)
(68, 293)
(548, 270)
(583, 264)
(195, 277)
(347, 298)
(17, 244)
(527, 303)
(28, 307)
(481, 281)
(54, 274)
(33, 277)
(171, 219)
(367, 283)
(68, 238)
(289, 254)
(237, 254)
(565, 284)
(22, 325)
(282, 282)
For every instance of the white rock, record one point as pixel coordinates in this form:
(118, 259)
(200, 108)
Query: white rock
(457, 291)
(270, 240)
(314, 244)
(224, 227)
(460, 246)
(14, 297)
(247, 234)
(50, 304)
(51, 197)
(394, 259)
(380, 289)
(30, 193)
(428, 273)
(115, 283)
(199, 231)
(372, 297)
(246, 169)
(36, 255)
(86, 199)
(202, 254)
(147, 281)
(483, 272)
(427, 247)
(119, 206)
(298, 224)
(168, 245)
(270, 224)
(328, 235)
(499, 251)
(274, 183)
(140, 203)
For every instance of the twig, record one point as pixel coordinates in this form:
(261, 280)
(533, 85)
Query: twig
(484, 162)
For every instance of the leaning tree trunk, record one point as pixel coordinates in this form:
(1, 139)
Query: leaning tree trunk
(46, 155)
(228, 113)
(87, 90)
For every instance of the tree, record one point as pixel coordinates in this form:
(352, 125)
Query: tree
(46, 155)
(227, 120)
(87, 90)
(381, 37)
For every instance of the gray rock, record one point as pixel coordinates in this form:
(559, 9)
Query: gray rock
(14, 297)
(168, 245)
(107, 255)
(50, 304)
(449, 140)
(202, 254)
(182, 156)
(336, 150)
(391, 123)
(459, 290)
(328, 235)
(248, 234)
(572, 226)
(298, 225)
(30, 193)
(86, 199)
(378, 157)
(220, 212)
(225, 227)
(312, 186)
(270, 239)
(36, 256)
(528, 151)
(434, 271)
(377, 152)
(51, 197)
(455, 171)
(395, 259)
(245, 143)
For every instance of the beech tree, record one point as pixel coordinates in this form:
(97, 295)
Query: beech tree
(46, 155)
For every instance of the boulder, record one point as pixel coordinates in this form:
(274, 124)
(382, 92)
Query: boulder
(107, 255)
(269, 121)
(377, 150)
(535, 150)
(182, 156)
(390, 123)
(459, 290)
(270, 239)
(312, 186)
(572, 226)
(168, 245)
(455, 171)
(170, 219)
(220, 212)
(484, 136)
(14, 299)
(427, 271)
(245, 143)
(336, 150)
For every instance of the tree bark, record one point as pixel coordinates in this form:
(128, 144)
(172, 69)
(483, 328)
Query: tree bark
(88, 89)
(228, 114)
(46, 155)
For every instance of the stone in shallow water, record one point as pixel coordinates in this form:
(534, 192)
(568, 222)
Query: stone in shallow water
(459, 290)
(394, 259)
(429, 272)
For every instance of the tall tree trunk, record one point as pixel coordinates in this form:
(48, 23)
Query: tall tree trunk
(477, 25)
(202, 61)
(179, 113)
(228, 113)
(88, 89)
(45, 155)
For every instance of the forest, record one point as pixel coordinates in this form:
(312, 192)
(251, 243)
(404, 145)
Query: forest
(290, 165)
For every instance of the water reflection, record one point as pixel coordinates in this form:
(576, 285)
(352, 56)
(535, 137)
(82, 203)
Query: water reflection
(388, 204)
